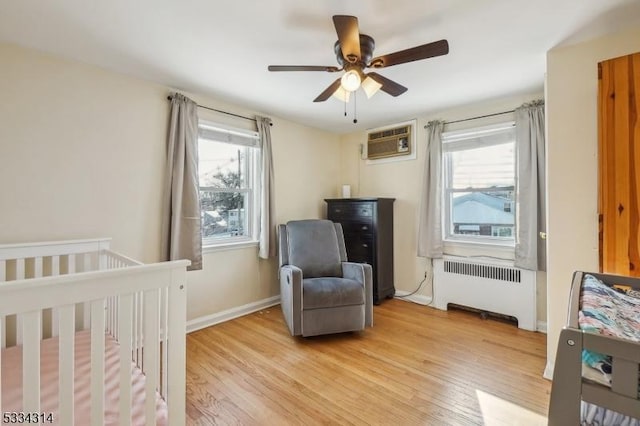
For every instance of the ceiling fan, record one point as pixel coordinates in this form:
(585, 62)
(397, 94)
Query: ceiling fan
(354, 52)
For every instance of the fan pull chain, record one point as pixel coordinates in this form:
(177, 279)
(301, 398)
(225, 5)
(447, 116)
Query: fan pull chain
(355, 118)
(345, 102)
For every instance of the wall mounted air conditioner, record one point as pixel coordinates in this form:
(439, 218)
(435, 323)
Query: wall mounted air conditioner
(392, 141)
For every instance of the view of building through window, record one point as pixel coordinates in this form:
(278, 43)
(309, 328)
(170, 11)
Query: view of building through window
(479, 182)
(225, 189)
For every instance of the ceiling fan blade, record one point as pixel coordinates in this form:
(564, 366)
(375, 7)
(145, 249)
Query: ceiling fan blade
(429, 50)
(328, 92)
(348, 36)
(389, 86)
(302, 68)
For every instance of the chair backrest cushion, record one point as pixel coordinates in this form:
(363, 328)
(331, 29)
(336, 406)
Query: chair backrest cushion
(314, 248)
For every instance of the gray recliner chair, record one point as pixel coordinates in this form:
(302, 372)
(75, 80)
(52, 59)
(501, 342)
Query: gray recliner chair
(320, 291)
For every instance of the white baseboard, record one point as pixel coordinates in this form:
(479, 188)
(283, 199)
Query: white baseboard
(415, 298)
(548, 371)
(541, 327)
(229, 314)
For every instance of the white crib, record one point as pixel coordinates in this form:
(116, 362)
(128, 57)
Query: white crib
(115, 328)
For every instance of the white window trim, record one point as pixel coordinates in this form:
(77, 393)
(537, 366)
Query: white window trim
(487, 249)
(249, 139)
(501, 247)
(236, 245)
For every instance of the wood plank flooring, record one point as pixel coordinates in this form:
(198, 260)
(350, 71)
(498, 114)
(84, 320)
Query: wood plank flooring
(416, 366)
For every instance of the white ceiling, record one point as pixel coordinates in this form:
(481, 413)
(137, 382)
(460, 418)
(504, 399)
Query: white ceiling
(222, 48)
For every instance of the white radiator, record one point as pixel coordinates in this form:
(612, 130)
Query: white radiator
(489, 286)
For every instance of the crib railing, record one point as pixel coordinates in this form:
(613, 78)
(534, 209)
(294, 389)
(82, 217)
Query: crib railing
(58, 288)
(46, 259)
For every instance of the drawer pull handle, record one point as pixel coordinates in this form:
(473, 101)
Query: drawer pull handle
(365, 245)
(364, 228)
(337, 210)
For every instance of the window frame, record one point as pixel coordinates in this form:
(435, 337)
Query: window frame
(250, 141)
(467, 139)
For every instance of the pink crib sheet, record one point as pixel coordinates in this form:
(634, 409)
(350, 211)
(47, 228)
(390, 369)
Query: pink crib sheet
(12, 382)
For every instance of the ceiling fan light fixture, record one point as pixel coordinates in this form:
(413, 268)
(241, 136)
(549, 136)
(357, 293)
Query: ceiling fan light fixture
(370, 87)
(341, 94)
(354, 53)
(350, 81)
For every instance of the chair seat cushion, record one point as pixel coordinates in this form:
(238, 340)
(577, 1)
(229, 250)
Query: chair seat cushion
(328, 292)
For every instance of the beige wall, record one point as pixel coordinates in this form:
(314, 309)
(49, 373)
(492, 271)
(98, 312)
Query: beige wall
(572, 83)
(402, 180)
(82, 153)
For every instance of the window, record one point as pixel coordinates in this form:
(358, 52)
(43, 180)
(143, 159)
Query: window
(228, 171)
(479, 184)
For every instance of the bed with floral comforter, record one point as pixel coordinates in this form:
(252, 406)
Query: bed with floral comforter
(607, 311)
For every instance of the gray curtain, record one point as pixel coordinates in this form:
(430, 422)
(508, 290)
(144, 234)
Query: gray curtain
(267, 241)
(182, 237)
(530, 250)
(430, 219)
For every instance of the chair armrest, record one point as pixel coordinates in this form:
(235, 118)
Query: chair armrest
(291, 297)
(362, 273)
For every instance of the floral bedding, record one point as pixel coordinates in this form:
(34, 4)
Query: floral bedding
(613, 312)
(610, 312)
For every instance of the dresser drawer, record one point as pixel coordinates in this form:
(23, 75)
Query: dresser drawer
(360, 249)
(363, 226)
(337, 211)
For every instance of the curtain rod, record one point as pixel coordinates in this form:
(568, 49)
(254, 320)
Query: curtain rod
(475, 118)
(223, 112)
(480, 116)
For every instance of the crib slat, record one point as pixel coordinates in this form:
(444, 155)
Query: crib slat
(163, 321)
(37, 267)
(110, 312)
(71, 264)
(20, 269)
(3, 271)
(55, 271)
(97, 362)
(55, 265)
(86, 315)
(125, 314)
(31, 335)
(114, 316)
(141, 319)
(3, 325)
(151, 352)
(136, 336)
(86, 307)
(1, 340)
(3, 334)
(66, 363)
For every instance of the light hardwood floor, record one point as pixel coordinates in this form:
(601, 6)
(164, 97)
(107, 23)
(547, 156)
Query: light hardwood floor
(416, 366)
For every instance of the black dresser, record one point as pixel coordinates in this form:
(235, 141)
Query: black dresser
(368, 235)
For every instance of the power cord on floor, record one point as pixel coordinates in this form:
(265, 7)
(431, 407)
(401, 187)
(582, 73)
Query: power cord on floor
(414, 291)
(419, 287)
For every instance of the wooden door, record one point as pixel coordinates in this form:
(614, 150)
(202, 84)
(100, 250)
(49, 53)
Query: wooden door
(619, 165)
